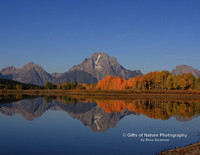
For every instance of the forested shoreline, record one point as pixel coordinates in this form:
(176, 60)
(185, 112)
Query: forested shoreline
(158, 81)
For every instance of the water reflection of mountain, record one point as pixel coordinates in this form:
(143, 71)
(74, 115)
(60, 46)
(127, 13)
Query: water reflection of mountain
(88, 113)
(185, 119)
(103, 114)
(28, 108)
(99, 120)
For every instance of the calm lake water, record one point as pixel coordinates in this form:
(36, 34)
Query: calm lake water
(46, 125)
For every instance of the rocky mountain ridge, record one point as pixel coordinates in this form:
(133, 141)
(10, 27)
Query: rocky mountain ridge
(92, 69)
(100, 65)
(29, 73)
(184, 69)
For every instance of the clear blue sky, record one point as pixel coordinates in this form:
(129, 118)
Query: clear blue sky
(142, 34)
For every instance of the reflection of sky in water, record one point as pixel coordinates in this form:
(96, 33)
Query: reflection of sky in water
(56, 132)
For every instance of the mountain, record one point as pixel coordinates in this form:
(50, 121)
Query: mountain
(181, 69)
(56, 75)
(76, 75)
(89, 71)
(101, 65)
(96, 68)
(29, 73)
(8, 70)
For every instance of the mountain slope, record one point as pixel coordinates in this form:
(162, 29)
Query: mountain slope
(181, 69)
(56, 75)
(29, 73)
(89, 71)
(8, 70)
(73, 76)
(101, 65)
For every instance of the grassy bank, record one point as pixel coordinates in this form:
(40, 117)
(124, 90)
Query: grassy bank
(182, 94)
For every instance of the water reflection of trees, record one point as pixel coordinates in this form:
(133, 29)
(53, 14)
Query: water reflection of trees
(64, 99)
(153, 109)
(13, 98)
(158, 109)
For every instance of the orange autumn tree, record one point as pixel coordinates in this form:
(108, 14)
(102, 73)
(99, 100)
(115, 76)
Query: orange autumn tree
(157, 80)
(83, 86)
(190, 80)
(112, 83)
(134, 83)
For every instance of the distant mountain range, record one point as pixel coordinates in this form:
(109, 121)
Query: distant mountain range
(92, 69)
(56, 75)
(184, 69)
(29, 73)
(89, 71)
